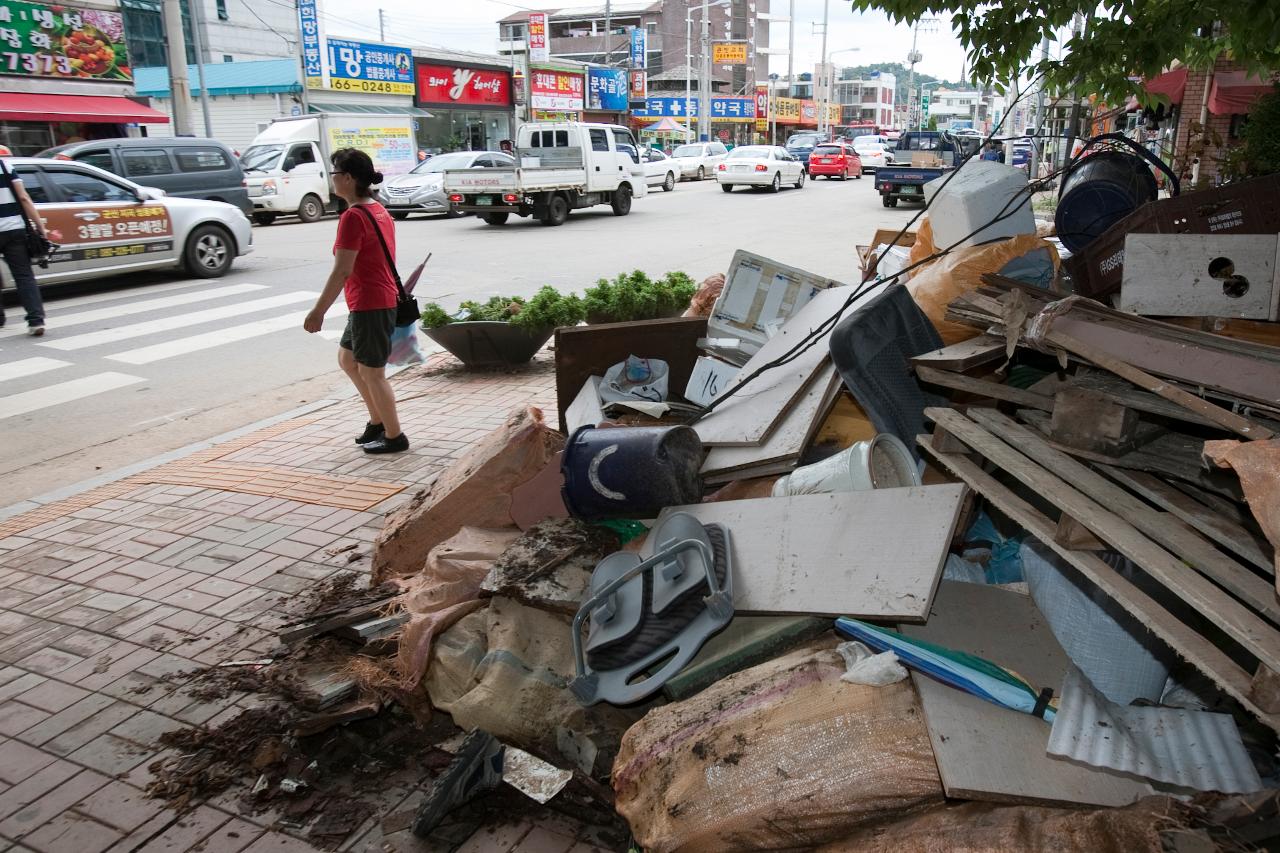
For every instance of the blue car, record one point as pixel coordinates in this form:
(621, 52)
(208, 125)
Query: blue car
(801, 145)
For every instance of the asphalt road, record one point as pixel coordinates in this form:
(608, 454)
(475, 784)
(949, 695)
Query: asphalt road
(134, 367)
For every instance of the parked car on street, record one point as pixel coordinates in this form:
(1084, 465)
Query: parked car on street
(106, 225)
(835, 160)
(422, 189)
(760, 166)
(874, 155)
(659, 169)
(188, 167)
(699, 160)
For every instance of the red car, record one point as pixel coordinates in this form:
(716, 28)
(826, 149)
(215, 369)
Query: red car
(834, 159)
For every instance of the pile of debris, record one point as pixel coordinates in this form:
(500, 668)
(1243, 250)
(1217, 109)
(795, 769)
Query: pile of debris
(965, 562)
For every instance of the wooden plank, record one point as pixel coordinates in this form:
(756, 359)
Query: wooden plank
(985, 752)
(746, 416)
(1254, 331)
(1069, 533)
(1167, 530)
(1174, 275)
(965, 355)
(1225, 532)
(984, 388)
(1084, 418)
(1233, 618)
(869, 555)
(1197, 650)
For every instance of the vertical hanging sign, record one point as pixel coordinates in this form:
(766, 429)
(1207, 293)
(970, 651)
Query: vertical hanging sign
(313, 65)
(639, 47)
(539, 49)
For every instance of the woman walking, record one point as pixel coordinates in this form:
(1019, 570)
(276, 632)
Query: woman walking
(15, 205)
(363, 253)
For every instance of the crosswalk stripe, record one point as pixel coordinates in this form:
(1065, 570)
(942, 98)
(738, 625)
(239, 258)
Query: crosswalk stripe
(65, 392)
(61, 321)
(120, 293)
(29, 367)
(179, 321)
(195, 343)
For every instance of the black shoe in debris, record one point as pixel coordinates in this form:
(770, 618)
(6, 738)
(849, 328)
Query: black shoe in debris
(399, 444)
(372, 432)
(475, 769)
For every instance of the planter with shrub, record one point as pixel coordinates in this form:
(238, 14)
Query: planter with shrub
(635, 296)
(504, 330)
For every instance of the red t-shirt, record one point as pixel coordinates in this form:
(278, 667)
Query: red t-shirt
(370, 285)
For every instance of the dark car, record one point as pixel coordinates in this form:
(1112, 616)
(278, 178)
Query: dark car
(800, 146)
(187, 167)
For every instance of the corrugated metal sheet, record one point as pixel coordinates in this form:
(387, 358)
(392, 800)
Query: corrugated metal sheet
(225, 78)
(1191, 749)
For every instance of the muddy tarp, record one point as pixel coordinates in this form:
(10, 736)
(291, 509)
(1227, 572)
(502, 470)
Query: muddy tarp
(989, 828)
(781, 756)
(475, 490)
(1257, 463)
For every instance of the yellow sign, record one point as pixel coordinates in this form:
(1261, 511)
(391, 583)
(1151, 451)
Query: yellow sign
(378, 87)
(729, 53)
(786, 110)
(833, 114)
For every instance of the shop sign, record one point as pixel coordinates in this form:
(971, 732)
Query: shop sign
(312, 37)
(729, 53)
(40, 40)
(786, 110)
(762, 108)
(453, 85)
(356, 66)
(392, 149)
(539, 50)
(639, 47)
(607, 89)
(561, 91)
(808, 112)
(108, 223)
(722, 109)
(639, 84)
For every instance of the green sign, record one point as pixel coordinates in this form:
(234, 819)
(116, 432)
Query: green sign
(54, 40)
(924, 106)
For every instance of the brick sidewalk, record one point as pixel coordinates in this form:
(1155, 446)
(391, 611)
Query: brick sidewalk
(107, 596)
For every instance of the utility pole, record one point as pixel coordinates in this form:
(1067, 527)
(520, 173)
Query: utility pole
(382, 25)
(913, 99)
(825, 77)
(197, 19)
(608, 32)
(791, 52)
(704, 92)
(179, 83)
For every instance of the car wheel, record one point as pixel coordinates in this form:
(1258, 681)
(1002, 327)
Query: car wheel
(264, 218)
(727, 187)
(557, 211)
(495, 218)
(777, 182)
(858, 177)
(399, 215)
(800, 181)
(702, 173)
(670, 183)
(621, 200)
(311, 208)
(209, 252)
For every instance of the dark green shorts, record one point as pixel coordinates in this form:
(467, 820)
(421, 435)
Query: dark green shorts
(368, 336)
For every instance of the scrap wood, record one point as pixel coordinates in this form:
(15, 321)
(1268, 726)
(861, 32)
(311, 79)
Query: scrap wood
(350, 617)
(983, 388)
(1196, 649)
(965, 355)
(1258, 466)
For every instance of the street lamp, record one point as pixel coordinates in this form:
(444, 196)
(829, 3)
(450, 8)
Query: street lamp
(704, 72)
(825, 105)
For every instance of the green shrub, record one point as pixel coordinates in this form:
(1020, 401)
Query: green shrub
(635, 296)
(546, 310)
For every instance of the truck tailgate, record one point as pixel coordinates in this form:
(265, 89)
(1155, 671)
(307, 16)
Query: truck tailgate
(481, 180)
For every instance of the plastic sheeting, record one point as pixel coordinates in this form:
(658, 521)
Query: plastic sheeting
(780, 756)
(1190, 749)
(1258, 465)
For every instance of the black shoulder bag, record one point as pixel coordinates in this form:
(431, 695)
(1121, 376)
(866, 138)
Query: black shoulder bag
(407, 310)
(38, 247)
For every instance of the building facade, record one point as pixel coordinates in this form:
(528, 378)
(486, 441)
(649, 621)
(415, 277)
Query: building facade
(468, 100)
(956, 109)
(230, 31)
(867, 101)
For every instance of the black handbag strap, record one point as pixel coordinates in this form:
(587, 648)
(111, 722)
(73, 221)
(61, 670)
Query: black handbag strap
(385, 251)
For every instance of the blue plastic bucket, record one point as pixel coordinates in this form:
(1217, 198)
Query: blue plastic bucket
(630, 472)
(1100, 190)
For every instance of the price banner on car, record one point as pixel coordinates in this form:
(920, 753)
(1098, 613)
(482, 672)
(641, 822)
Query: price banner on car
(55, 40)
(105, 223)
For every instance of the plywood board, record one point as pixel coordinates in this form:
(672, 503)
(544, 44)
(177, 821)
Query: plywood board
(1185, 275)
(985, 752)
(964, 355)
(868, 555)
(753, 411)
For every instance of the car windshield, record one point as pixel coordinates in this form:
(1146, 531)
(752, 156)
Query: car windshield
(828, 150)
(440, 162)
(801, 143)
(758, 152)
(261, 158)
(688, 151)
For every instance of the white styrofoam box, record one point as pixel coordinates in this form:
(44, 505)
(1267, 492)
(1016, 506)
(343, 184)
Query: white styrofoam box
(891, 259)
(974, 196)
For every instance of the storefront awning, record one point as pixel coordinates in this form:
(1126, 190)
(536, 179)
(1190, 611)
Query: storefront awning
(369, 108)
(1234, 92)
(1172, 84)
(93, 109)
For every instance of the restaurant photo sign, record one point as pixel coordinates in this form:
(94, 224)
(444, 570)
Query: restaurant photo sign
(54, 40)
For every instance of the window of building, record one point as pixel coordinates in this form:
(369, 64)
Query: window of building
(144, 162)
(513, 32)
(81, 187)
(226, 57)
(222, 10)
(215, 159)
(144, 33)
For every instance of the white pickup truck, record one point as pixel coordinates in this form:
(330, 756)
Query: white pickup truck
(563, 166)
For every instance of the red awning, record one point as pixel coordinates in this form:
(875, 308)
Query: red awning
(1171, 83)
(1235, 91)
(94, 109)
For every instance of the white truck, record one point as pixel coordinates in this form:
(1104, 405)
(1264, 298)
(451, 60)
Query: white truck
(286, 167)
(562, 166)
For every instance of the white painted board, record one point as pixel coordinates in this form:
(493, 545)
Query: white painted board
(1169, 275)
(710, 377)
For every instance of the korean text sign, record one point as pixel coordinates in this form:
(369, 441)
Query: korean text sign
(52, 40)
(392, 149)
(539, 49)
(722, 109)
(729, 53)
(555, 90)
(607, 89)
(639, 47)
(444, 85)
(358, 66)
(312, 57)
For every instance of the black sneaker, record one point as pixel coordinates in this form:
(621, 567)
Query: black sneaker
(372, 432)
(399, 444)
(476, 768)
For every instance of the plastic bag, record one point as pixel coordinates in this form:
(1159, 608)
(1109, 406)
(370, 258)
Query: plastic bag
(636, 378)
(864, 666)
(405, 348)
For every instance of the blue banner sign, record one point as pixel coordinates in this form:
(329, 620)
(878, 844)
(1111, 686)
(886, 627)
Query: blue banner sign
(721, 108)
(388, 69)
(309, 25)
(607, 89)
(639, 47)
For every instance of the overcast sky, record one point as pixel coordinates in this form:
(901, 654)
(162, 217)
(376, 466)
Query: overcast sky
(471, 25)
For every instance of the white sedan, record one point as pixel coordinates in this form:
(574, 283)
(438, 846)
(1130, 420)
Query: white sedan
(874, 155)
(698, 160)
(760, 166)
(659, 169)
